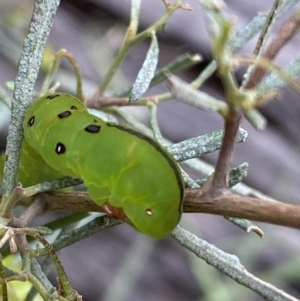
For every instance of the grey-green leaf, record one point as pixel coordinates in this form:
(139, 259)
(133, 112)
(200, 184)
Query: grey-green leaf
(146, 73)
(184, 92)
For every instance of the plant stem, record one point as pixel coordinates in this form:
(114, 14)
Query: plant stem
(131, 41)
(220, 177)
(30, 60)
(198, 200)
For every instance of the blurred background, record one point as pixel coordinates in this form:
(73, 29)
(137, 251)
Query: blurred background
(121, 264)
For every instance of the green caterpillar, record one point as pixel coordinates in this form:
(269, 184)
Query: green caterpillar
(127, 173)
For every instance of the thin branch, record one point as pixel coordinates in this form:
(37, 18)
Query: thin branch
(283, 73)
(255, 25)
(3, 285)
(130, 41)
(239, 40)
(285, 34)
(198, 201)
(263, 38)
(30, 60)
(29, 214)
(67, 290)
(99, 101)
(229, 265)
(232, 124)
(234, 205)
(55, 65)
(100, 223)
(134, 17)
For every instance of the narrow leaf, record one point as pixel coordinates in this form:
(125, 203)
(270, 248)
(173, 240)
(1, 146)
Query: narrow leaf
(184, 92)
(146, 73)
